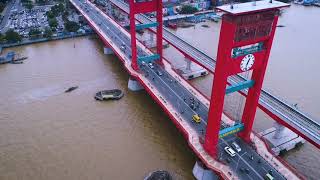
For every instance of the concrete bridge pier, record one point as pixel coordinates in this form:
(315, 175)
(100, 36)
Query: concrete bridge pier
(281, 139)
(134, 85)
(151, 41)
(107, 51)
(191, 70)
(279, 132)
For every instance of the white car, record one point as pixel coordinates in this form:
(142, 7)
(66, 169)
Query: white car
(151, 65)
(236, 146)
(230, 151)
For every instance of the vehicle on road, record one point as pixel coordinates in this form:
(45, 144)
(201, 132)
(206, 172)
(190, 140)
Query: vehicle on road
(236, 146)
(230, 151)
(268, 177)
(159, 73)
(196, 118)
(244, 170)
(151, 65)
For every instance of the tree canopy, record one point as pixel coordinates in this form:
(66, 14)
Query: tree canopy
(47, 32)
(53, 23)
(12, 36)
(187, 9)
(71, 26)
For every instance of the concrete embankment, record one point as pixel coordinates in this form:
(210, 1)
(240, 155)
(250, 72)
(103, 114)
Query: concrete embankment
(39, 40)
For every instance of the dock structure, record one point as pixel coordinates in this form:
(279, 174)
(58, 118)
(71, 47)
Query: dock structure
(281, 139)
(215, 131)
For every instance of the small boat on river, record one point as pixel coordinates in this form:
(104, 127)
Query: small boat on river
(12, 57)
(71, 89)
(113, 94)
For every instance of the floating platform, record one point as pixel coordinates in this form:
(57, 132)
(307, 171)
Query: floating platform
(288, 140)
(200, 172)
(113, 94)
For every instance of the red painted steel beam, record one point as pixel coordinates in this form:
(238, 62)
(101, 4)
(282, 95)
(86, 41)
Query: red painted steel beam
(144, 7)
(134, 58)
(218, 89)
(159, 31)
(252, 99)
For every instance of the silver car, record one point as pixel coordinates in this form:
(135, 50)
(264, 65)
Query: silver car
(236, 146)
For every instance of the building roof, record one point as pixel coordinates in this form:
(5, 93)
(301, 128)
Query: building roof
(244, 8)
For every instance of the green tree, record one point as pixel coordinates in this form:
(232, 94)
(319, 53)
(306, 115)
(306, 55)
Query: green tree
(71, 26)
(12, 36)
(28, 5)
(57, 9)
(65, 15)
(47, 32)
(53, 23)
(187, 9)
(50, 14)
(42, 1)
(2, 6)
(2, 38)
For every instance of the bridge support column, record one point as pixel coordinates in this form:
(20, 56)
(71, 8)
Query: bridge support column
(134, 85)
(188, 68)
(107, 51)
(151, 36)
(191, 70)
(149, 40)
(279, 131)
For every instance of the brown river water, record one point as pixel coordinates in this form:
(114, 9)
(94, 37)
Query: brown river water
(48, 134)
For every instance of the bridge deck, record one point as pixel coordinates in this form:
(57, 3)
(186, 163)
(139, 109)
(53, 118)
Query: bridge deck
(279, 110)
(174, 95)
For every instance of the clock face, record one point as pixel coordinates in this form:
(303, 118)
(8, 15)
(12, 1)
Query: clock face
(247, 62)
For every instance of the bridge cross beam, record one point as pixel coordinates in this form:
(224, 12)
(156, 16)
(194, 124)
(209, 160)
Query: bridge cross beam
(137, 7)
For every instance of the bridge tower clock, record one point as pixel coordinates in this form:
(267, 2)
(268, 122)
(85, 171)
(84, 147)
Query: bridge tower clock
(245, 42)
(145, 6)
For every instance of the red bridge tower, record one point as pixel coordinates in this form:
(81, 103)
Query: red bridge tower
(245, 42)
(141, 6)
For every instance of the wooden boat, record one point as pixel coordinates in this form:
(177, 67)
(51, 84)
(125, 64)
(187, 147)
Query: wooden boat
(113, 94)
(71, 89)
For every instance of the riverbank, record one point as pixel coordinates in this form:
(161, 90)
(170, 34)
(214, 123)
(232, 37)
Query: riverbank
(40, 40)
